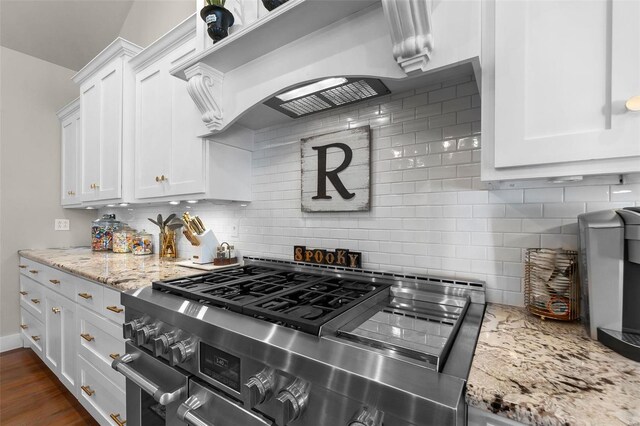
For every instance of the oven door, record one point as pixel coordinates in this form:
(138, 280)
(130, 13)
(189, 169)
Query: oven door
(154, 389)
(206, 407)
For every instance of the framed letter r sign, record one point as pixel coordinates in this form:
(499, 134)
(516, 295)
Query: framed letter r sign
(336, 171)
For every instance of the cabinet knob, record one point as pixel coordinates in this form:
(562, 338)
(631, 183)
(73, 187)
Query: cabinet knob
(55, 310)
(633, 104)
(24, 326)
(163, 178)
(24, 293)
(157, 178)
(35, 338)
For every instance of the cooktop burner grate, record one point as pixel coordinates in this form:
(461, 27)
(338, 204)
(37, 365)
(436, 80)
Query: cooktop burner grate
(295, 299)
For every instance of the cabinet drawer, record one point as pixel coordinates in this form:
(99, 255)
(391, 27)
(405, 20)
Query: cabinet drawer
(60, 282)
(111, 307)
(89, 295)
(99, 395)
(30, 268)
(32, 332)
(99, 341)
(31, 297)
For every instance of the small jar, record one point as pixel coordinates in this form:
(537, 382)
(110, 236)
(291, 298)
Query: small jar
(123, 240)
(142, 243)
(102, 232)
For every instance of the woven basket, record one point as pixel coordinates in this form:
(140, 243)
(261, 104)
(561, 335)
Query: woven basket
(551, 283)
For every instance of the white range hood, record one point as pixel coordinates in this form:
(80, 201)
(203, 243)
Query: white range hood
(309, 40)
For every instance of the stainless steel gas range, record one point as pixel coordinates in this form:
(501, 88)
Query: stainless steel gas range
(285, 343)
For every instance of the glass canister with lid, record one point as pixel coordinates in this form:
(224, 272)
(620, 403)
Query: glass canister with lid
(102, 232)
(142, 243)
(123, 240)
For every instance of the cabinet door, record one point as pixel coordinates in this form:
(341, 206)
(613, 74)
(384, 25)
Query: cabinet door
(169, 154)
(110, 131)
(90, 140)
(153, 130)
(187, 169)
(68, 336)
(70, 159)
(53, 327)
(563, 71)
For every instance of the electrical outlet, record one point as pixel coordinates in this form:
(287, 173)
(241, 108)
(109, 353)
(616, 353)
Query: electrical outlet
(61, 225)
(235, 225)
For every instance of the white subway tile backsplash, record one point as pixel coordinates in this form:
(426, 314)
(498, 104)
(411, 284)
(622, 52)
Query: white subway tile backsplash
(630, 192)
(586, 193)
(543, 195)
(563, 209)
(506, 196)
(430, 211)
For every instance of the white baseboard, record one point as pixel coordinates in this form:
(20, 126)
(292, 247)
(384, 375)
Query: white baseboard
(12, 341)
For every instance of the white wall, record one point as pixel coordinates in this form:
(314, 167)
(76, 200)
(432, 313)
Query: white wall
(430, 212)
(149, 19)
(32, 91)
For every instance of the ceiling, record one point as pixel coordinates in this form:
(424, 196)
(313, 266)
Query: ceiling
(65, 32)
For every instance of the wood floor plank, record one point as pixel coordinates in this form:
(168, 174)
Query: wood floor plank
(30, 394)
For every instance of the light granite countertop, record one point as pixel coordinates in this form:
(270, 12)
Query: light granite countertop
(550, 373)
(122, 271)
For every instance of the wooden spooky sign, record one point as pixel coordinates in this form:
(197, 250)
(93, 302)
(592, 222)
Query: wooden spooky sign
(339, 257)
(336, 171)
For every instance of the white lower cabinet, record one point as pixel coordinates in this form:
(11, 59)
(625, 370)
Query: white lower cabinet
(75, 326)
(32, 332)
(60, 338)
(104, 400)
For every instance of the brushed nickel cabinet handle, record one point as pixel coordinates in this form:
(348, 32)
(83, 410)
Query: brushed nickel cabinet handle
(116, 418)
(36, 338)
(24, 326)
(55, 310)
(24, 293)
(114, 309)
(36, 301)
(85, 295)
(87, 337)
(114, 356)
(54, 281)
(22, 266)
(87, 390)
(33, 271)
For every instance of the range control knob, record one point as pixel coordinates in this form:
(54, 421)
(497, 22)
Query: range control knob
(259, 388)
(162, 343)
(292, 401)
(129, 328)
(181, 352)
(145, 333)
(367, 416)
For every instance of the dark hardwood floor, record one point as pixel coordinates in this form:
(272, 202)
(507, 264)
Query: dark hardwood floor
(30, 394)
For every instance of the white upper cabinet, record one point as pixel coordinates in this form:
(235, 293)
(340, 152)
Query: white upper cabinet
(106, 130)
(171, 159)
(555, 79)
(169, 154)
(69, 117)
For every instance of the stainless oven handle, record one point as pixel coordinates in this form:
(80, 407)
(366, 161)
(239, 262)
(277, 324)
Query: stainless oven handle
(186, 412)
(164, 398)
